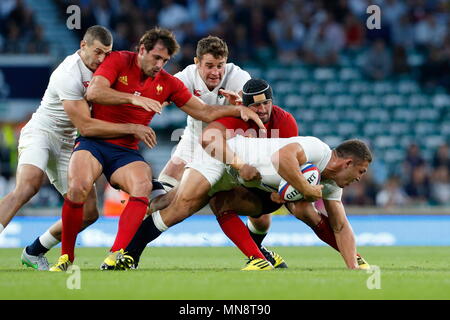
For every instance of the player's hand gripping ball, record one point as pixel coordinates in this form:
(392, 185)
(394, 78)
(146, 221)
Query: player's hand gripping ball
(311, 174)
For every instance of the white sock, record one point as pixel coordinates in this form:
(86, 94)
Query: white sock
(47, 240)
(1, 228)
(157, 220)
(252, 228)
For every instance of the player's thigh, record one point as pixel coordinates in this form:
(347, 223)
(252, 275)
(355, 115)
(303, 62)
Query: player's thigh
(193, 186)
(133, 178)
(191, 195)
(239, 199)
(84, 170)
(58, 166)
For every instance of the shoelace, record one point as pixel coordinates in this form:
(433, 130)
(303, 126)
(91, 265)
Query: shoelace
(250, 259)
(43, 261)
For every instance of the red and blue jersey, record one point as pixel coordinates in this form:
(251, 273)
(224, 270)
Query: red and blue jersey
(124, 75)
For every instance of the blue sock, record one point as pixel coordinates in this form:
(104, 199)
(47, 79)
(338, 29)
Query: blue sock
(36, 248)
(146, 233)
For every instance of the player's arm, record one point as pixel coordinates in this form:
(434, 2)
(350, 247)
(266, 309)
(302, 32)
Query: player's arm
(80, 115)
(214, 141)
(100, 91)
(287, 161)
(198, 109)
(343, 232)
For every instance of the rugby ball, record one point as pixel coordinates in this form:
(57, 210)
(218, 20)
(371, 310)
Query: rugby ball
(311, 174)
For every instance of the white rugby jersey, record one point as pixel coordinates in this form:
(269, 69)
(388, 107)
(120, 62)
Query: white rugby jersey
(258, 152)
(68, 81)
(233, 79)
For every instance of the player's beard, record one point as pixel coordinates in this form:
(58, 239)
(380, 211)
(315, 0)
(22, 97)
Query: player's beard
(152, 72)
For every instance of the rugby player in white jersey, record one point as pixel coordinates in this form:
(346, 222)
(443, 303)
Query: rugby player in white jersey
(47, 140)
(214, 81)
(274, 159)
(339, 168)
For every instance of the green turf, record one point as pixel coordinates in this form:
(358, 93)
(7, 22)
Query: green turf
(214, 273)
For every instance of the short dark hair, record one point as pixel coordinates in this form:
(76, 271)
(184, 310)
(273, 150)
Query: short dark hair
(355, 149)
(212, 45)
(155, 35)
(99, 33)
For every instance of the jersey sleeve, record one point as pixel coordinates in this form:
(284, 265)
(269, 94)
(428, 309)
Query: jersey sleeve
(290, 127)
(67, 86)
(180, 94)
(111, 66)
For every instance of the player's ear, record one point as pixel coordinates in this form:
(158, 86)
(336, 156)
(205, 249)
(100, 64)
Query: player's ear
(142, 50)
(83, 44)
(348, 162)
(196, 60)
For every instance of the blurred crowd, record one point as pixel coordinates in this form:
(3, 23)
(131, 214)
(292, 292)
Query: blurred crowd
(414, 182)
(414, 40)
(19, 32)
(315, 32)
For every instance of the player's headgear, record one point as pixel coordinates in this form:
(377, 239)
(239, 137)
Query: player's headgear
(256, 91)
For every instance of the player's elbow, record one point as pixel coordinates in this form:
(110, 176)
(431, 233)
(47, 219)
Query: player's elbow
(207, 117)
(92, 94)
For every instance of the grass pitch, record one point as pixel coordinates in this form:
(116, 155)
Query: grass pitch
(214, 274)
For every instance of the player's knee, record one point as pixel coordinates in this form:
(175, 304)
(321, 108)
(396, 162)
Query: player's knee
(298, 209)
(78, 190)
(262, 223)
(218, 208)
(141, 188)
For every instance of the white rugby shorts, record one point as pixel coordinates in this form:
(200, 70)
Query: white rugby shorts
(219, 176)
(49, 151)
(188, 149)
